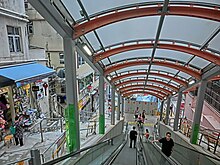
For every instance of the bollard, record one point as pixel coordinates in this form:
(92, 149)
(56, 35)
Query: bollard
(41, 131)
(61, 124)
(35, 157)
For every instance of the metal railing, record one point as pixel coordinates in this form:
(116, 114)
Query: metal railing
(210, 139)
(91, 150)
(213, 98)
(20, 162)
(154, 155)
(55, 150)
(46, 125)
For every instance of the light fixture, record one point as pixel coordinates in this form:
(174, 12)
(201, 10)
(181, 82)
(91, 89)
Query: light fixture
(192, 82)
(109, 78)
(165, 98)
(174, 93)
(86, 48)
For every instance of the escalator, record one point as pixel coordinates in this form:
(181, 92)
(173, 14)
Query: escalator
(146, 153)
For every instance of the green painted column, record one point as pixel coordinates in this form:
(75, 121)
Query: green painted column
(161, 110)
(71, 112)
(101, 105)
(113, 106)
(177, 115)
(167, 110)
(198, 112)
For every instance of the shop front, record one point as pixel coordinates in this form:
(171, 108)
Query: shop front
(20, 87)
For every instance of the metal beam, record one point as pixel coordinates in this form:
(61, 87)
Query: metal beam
(143, 80)
(163, 12)
(103, 20)
(185, 49)
(151, 73)
(211, 73)
(182, 68)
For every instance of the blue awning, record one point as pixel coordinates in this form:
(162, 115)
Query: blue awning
(24, 73)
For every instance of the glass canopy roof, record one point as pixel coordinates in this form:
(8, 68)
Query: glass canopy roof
(163, 41)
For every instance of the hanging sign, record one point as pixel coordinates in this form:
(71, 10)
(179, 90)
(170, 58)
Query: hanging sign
(35, 88)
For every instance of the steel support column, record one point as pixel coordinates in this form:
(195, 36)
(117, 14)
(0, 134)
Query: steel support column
(113, 106)
(176, 120)
(198, 112)
(167, 110)
(101, 105)
(119, 107)
(122, 106)
(71, 112)
(161, 110)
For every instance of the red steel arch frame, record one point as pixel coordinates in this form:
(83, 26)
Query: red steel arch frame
(144, 80)
(137, 92)
(147, 89)
(103, 20)
(142, 86)
(151, 73)
(182, 68)
(202, 54)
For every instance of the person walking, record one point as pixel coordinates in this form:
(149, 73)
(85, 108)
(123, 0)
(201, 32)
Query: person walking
(133, 137)
(147, 134)
(18, 132)
(167, 144)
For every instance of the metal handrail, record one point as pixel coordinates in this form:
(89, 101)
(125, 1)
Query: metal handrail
(157, 148)
(42, 154)
(12, 163)
(78, 152)
(204, 154)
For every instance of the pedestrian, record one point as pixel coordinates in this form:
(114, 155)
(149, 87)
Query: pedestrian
(133, 137)
(167, 144)
(18, 132)
(4, 108)
(143, 116)
(147, 134)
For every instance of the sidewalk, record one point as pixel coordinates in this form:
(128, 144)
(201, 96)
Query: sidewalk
(15, 153)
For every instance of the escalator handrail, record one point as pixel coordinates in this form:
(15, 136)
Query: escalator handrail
(204, 154)
(115, 154)
(157, 148)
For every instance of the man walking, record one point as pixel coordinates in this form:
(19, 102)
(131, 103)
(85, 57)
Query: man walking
(167, 144)
(133, 137)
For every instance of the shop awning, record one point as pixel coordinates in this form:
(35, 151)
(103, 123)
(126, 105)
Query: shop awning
(23, 73)
(4, 81)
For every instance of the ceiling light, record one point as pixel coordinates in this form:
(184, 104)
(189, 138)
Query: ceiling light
(174, 93)
(86, 48)
(109, 78)
(192, 82)
(165, 98)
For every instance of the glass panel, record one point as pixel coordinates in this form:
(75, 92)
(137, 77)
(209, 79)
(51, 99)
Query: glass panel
(187, 29)
(214, 44)
(18, 45)
(182, 74)
(93, 40)
(16, 31)
(140, 54)
(11, 44)
(10, 29)
(139, 28)
(162, 68)
(170, 54)
(132, 68)
(199, 62)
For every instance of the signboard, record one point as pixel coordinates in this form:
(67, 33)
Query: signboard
(35, 88)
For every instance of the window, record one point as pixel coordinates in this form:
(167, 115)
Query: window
(30, 27)
(80, 60)
(61, 58)
(14, 39)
